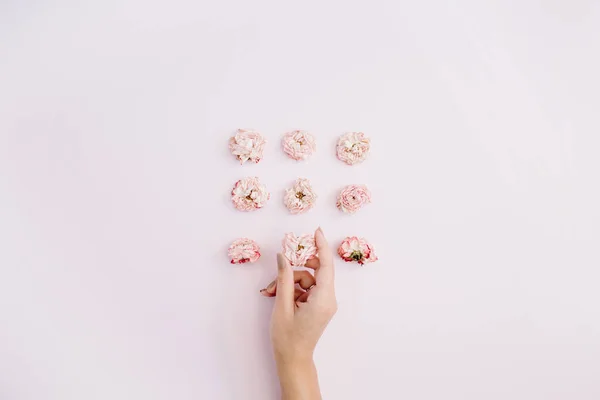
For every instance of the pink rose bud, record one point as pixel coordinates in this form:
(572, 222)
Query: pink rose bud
(299, 249)
(357, 249)
(249, 194)
(352, 198)
(353, 147)
(246, 145)
(299, 145)
(300, 197)
(243, 250)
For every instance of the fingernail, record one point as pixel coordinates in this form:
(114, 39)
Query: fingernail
(280, 261)
(319, 229)
(264, 292)
(270, 287)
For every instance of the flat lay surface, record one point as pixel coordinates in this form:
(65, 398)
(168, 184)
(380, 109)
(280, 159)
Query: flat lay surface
(116, 211)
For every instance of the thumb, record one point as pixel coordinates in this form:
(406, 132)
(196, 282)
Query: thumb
(284, 301)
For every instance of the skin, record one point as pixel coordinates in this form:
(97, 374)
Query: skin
(304, 305)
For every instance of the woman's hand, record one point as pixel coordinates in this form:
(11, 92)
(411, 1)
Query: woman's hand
(300, 316)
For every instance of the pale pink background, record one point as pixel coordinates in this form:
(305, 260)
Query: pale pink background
(115, 218)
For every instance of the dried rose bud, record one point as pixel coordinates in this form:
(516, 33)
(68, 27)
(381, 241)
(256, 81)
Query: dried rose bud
(300, 197)
(299, 249)
(299, 145)
(249, 194)
(246, 145)
(357, 249)
(353, 147)
(352, 198)
(243, 250)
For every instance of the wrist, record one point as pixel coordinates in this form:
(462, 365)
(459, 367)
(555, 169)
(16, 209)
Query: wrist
(298, 378)
(293, 359)
(293, 363)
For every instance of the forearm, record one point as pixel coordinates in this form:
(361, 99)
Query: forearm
(298, 380)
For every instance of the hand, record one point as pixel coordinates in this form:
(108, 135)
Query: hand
(299, 318)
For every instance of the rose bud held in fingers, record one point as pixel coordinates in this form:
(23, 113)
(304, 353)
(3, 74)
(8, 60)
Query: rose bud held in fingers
(243, 250)
(246, 145)
(352, 198)
(249, 194)
(298, 145)
(357, 249)
(300, 197)
(353, 147)
(299, 249)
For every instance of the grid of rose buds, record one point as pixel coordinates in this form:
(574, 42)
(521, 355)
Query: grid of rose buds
(249, 194)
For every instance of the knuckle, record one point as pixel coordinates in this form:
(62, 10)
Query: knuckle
(304, 274)
(334, 307)
(329, 308)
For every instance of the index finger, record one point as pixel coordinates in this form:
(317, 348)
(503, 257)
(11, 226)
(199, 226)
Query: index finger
(325, 273)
